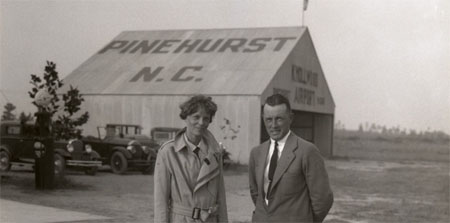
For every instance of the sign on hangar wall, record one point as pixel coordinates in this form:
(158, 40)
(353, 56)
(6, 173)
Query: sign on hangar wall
(301, 79)
(216, 62)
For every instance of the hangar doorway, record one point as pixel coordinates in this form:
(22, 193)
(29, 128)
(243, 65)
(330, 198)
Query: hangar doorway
(303, 125)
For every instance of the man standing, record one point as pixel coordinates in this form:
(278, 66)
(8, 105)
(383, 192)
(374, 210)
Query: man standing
(288, 179)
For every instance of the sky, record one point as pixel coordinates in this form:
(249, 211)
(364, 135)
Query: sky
(385, 61)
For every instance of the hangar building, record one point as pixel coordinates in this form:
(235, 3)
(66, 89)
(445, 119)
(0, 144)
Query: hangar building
(141, 77)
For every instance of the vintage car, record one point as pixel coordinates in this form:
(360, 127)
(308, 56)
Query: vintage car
(17, 147)
(122, 146)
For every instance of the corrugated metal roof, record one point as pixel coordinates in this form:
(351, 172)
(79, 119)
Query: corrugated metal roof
(177, 62)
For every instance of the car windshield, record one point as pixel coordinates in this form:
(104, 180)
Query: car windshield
(122, 130)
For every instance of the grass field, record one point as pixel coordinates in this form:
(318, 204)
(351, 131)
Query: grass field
(388, 178)
(375, 146)
(380, 191)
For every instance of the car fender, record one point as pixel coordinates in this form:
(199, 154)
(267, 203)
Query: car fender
(6, 149)
(62, 152)
(95, 155)
(124, 151)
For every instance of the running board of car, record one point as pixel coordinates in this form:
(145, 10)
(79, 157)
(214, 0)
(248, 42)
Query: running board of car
(84, 163)
(23, 164)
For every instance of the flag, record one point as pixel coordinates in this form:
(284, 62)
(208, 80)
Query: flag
(305, 5)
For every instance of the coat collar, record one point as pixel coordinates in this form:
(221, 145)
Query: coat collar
(179, 142)
(281, 141)
(209, 170)
(208, 139)
(210, 165)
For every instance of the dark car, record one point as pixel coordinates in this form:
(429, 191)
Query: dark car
(122, 146)
(17, 147)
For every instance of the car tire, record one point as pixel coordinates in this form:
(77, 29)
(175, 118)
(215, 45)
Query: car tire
(60, 165)
(118, 163)
(150, 169)
(5, 161)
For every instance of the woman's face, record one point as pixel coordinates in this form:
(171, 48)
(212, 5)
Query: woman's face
(197, 124)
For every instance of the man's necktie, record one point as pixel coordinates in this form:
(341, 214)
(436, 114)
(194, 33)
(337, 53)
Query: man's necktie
(272, 166)
(196, 150)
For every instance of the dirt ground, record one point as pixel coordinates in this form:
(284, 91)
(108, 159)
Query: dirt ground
(365, 191)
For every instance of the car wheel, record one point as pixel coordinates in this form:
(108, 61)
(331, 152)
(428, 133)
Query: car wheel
(150, 169)
(60, 165)
(91, 170)
(118, 163)
(5, 161)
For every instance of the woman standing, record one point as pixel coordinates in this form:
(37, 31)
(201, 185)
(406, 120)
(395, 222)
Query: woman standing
(189, 185)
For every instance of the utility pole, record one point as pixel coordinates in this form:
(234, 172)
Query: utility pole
(44, 166)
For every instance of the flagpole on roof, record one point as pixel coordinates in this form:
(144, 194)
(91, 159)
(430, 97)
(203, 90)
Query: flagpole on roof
(303, 18)
(305, 6)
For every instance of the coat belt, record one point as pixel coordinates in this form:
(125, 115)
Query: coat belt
(195, 213)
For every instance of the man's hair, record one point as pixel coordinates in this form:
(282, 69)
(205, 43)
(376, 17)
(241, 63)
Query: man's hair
(278, 99)
(195, 103)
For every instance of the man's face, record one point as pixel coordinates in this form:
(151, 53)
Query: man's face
(277, 120)
(197, 123)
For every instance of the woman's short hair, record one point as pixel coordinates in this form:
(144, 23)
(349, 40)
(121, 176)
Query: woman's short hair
(194, 104)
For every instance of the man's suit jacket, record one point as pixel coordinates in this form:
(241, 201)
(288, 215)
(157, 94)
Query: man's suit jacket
(300, 188)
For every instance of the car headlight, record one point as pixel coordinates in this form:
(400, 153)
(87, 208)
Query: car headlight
(38, 145)
(70, 146)
(146, 149)
(39, 149)
(132, 146)
(88, 148)
(131, 149)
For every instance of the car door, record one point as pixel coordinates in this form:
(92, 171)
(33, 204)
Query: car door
(11, 139)
(27, 139)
